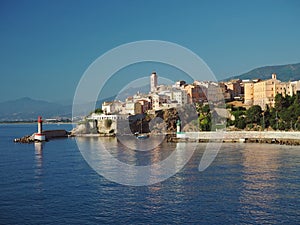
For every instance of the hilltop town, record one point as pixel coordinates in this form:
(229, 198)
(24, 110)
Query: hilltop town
(251, 104)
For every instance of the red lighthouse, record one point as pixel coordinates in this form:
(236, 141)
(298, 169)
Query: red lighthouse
(39, 136)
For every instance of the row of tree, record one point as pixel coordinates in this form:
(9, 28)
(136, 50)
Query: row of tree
(285, 115)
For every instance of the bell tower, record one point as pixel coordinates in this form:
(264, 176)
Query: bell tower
(153, 82)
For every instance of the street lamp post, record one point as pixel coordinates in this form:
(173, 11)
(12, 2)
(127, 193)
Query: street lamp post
(276, 120)
(263, 121)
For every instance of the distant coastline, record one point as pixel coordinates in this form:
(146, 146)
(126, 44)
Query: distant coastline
(33, 122)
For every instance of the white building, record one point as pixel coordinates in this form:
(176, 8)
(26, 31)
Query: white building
(180, 96)
(133, 108)
(179, 84)
(158, 100)
(113, 107)
(176, 96)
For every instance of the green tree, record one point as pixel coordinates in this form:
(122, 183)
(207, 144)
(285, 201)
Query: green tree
(297, 125)
(274, 118)
(205, 123)
(266, 119)
(281, 125)
(204, 117)
(297, 98)
(98, 111)
(253, 114)
(281, 102)
(240, 123)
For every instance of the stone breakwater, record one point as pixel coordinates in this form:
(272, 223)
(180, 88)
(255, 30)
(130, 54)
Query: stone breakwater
(49, 134)
(278, 137)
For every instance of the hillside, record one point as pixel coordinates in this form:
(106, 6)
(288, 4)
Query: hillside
(288, 72)
(28, 109)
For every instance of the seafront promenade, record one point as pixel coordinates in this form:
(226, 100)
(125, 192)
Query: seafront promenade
(240, 134)
(243, 136)
(225, 135)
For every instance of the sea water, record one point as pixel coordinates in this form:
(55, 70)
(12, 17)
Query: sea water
(53, 184)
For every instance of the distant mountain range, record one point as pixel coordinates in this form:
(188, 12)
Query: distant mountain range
(29, 109)
(25, 109)
(288, 72)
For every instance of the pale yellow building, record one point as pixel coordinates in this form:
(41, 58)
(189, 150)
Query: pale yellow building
(288, 88)
(263, 93)
(248, 92)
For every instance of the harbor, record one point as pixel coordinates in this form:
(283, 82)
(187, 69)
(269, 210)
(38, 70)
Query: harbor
(268, 137)
(42, 135)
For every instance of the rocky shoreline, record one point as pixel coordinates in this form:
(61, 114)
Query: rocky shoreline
(25, 139)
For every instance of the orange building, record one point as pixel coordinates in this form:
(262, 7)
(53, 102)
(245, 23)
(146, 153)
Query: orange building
(195, 93)
(234, 87)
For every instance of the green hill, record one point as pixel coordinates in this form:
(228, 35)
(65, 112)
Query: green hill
(288, 72)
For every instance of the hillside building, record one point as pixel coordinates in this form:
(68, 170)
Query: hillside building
(133, 108)
(195, 93)
(263, 93)
(113, 107)
(249, 91)
(234, 87)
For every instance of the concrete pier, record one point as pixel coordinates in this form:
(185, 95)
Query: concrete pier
(280, 137)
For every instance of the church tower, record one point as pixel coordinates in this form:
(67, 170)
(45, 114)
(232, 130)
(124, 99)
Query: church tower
(153, 82)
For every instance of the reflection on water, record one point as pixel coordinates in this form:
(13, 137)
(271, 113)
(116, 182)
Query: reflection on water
(38, 146)
(260, 180)
(124, 165)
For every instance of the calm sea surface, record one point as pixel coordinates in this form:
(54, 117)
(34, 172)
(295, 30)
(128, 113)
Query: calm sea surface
(53, 184)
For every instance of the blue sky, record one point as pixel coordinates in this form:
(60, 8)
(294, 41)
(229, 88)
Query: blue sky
(45, 46)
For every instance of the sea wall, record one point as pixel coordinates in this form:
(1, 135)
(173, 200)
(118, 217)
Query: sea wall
(280, 137)
(55, 133)
(49, 134)
(241, 134)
